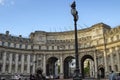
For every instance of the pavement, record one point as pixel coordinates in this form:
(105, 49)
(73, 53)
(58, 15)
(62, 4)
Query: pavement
(82, 79)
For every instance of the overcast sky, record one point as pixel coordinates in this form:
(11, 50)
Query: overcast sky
(21, 17)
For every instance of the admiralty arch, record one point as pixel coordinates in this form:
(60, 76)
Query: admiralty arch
(54, 51)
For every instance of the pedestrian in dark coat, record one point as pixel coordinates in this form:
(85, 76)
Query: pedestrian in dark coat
(32, 77)
(39, 75)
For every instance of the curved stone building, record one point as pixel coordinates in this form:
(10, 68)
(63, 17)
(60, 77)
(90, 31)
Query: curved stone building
(54, 52)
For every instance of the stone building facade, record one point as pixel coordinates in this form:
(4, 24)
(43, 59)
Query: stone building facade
(100, 43)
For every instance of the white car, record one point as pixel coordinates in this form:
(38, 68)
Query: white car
(16, 77)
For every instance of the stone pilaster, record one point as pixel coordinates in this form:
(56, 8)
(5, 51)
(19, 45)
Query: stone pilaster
(16, 63)
(10, 62)
(111, 59)
(22, 65)
(96, 63)
(28, 63)
(4, 62)
(105, 63)
(34, 63)
(92, 73)
(44, 64)
(61, 67)
(118, 58)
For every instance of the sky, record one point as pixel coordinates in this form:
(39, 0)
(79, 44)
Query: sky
(21, 17)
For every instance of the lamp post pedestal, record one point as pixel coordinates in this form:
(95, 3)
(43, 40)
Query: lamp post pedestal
(77, 75)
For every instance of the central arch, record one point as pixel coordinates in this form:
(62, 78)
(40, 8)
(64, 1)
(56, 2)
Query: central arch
(52, 67)
(82, 63)
(69, 65)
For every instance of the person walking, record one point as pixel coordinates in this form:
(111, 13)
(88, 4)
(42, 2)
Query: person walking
(32, 77)
(112, 76)
(38, 75)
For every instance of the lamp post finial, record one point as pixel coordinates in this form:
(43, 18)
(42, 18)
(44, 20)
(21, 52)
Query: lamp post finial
(73, 5)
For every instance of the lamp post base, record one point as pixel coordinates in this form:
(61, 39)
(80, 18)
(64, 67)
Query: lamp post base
(77, 75)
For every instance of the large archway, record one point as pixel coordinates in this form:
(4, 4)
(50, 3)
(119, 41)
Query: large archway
(85, 65)
(52, 67)
(69, 66)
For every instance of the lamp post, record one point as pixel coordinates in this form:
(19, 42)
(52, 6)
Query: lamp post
(77, 75)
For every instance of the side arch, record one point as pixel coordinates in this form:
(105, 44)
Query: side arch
(82, 63)
(51, 67)
(68, 69)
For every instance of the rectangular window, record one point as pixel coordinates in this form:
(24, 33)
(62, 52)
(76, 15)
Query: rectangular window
(69, 46)
(31, 46)
(13, 68)
(111, 39)
(26, 46)
(117, 37)
(13, 57)
(106, 40)
(40, 47)
(58, 47)
(39, 62)
(19, 57)
(31, 58)
(52, 47)
(20, 46)
(25, 58)
(116, 67)
(47, 47)
(1, 55)
(31, 68)
(7, 56)
(25, 68)
(110, 68)
(19, 68)
(14, 45)
(0, 67)
(6, 69)
(8, 44)
(3, 43)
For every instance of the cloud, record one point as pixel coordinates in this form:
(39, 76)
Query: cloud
(12, 2)
(7, 2)
(2, 2)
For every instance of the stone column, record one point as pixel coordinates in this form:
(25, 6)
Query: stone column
(4, 62)
(10, 62)
(61, 67)
(34, 63)
(28, 63)
(96, 64)
(16, 63)
(118, 58)
(44, 64)
(92, 69)
(111, 59)
(22, 64)
(105, 63)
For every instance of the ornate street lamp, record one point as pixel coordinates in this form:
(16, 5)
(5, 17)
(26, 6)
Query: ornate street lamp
(77, 75)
